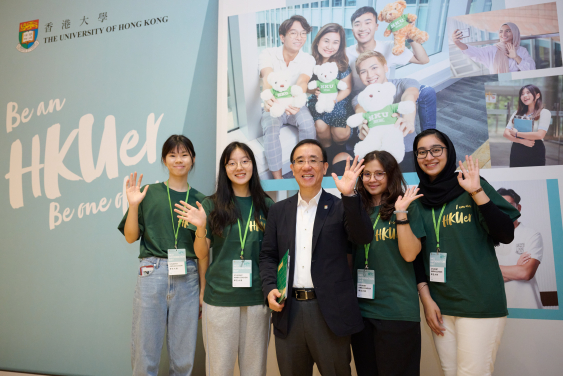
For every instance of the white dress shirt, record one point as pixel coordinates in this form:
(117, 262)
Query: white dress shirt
(305, 222)
(273, 58)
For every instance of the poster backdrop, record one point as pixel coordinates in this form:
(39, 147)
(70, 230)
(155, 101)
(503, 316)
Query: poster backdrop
(89, 92)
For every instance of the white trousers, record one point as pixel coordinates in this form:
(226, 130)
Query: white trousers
(469, 346)
(229, 332)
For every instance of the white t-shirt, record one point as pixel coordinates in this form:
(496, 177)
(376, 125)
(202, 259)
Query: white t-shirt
(273, 58)
(543, 122)
(384, 48)
(522, 294)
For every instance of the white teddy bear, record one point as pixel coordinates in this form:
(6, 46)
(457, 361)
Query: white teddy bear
(286, 95)
(328, 85)
(377, 100)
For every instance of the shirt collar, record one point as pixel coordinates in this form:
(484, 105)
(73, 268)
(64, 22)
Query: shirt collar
(314, 200)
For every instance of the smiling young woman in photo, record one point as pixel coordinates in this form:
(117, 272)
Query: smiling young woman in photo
(235, 319)
(330, 46)
(165, 301)
(503, 57)
(390, 342)
(527, 147)
(461, 284)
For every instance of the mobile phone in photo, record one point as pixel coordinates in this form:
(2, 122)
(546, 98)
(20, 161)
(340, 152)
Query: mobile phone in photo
(465, 33)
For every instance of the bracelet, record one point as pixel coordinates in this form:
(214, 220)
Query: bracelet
(201, 237)
(420, 288)
(400, 211)
(401, 222)
(475, 192)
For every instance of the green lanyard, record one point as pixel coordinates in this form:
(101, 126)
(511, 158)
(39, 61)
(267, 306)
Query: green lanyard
(243, 240)
(437, 227)
(172, 214)
(366, 246)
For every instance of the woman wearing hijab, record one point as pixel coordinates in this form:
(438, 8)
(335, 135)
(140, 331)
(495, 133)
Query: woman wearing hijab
(459, 278)
(506, 56)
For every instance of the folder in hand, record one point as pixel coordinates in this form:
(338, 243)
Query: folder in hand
(523, 125)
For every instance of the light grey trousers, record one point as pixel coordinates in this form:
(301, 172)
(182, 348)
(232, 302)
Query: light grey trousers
(229, 332)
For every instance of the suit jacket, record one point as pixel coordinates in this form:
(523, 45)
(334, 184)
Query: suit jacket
(337, 223)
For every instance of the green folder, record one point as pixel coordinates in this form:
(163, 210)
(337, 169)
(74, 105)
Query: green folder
(283, 277)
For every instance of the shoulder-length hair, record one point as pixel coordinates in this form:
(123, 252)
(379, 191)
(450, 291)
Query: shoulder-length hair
(339, 57)
(225, 211)
(522, 108)
(396, 184)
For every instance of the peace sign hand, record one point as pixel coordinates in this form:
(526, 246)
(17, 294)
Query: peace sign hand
(189, 214)
(404, 201)
(472, 181)
(351, 173)
(133, 190)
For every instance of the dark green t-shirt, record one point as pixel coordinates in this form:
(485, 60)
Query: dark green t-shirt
(474, 285)
(155, 222)
(219, 290)
(396, 296)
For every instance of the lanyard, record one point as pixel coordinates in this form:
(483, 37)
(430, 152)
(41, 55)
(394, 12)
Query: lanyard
(366, 246)
(437, 228)
(243, 240)
(172, 214)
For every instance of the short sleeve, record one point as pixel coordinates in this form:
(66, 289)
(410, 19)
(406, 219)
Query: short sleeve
(265, 60)
(208, 208)
(510, 125)
(534, 246)
(402, 85)
(499, 201)
(307, 66)
(545, 120)
(415, 221)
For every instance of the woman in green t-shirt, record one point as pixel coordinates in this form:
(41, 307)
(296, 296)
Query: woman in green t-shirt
(167, 291)
(235, 320)
(383, 271)
(464, 217)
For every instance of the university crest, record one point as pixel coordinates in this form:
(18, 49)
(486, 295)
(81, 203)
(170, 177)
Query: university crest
(28, 36)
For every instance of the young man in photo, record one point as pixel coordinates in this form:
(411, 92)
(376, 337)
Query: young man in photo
(364, 26)
(519, 261)
(288, 57)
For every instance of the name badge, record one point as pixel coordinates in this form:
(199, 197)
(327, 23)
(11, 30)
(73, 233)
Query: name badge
(242, 273)
(366, 283)
(177, 262)
(438, 267)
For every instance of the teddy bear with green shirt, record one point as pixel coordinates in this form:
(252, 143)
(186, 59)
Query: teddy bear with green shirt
(328, 86)
(377, 100)
(285, 94)
(401, 25)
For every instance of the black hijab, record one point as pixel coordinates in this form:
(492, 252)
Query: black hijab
(445, 187)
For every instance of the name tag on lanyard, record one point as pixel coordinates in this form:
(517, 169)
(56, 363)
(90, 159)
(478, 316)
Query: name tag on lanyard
(177, 262)
(242, 273)
(366, 284)
(438, 267)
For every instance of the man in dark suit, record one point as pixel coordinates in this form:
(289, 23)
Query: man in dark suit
(321, 312)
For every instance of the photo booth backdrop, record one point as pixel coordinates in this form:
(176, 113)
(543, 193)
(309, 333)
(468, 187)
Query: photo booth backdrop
(140, 71)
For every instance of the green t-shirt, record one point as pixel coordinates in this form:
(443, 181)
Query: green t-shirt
(399, 23)
(219, 290)
(396, 296)
(328, 87)
(383, 116)
(155, 224)
(281, 94)
(474, 285)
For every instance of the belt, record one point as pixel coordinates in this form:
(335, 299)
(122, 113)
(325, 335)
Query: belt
(304, 294)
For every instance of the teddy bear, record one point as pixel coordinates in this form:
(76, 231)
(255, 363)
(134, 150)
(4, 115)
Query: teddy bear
(328, 85)
(286, 94)
(401, 25)
(377, 100)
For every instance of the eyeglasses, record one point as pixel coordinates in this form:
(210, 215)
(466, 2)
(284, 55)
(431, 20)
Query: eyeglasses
(294, 34)
(379, 175)
(435, 151)
(244, 163)
(302, 162)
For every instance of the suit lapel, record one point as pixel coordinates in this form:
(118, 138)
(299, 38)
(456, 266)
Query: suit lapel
(323, 208)
(290, 222)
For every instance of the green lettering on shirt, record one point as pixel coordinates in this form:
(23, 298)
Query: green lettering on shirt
(328, 87)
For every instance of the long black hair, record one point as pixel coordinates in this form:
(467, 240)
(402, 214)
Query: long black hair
(538, 104)
(396, 184)
(225, 211)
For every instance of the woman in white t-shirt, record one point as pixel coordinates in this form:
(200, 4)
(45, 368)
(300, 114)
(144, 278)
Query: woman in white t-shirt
(503, 57)
(527, 147)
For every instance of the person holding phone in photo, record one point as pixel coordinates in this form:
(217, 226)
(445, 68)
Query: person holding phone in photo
(167, 295)
(330, 46)
(461, 285)
(503, 57)
(533, 119)
(235, 321)
(390, 343)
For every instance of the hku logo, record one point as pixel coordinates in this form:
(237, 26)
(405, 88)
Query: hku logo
(28, 36)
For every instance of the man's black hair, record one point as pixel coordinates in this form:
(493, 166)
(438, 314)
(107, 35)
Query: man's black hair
(361, 11)
(509, 192)
(305, 142)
